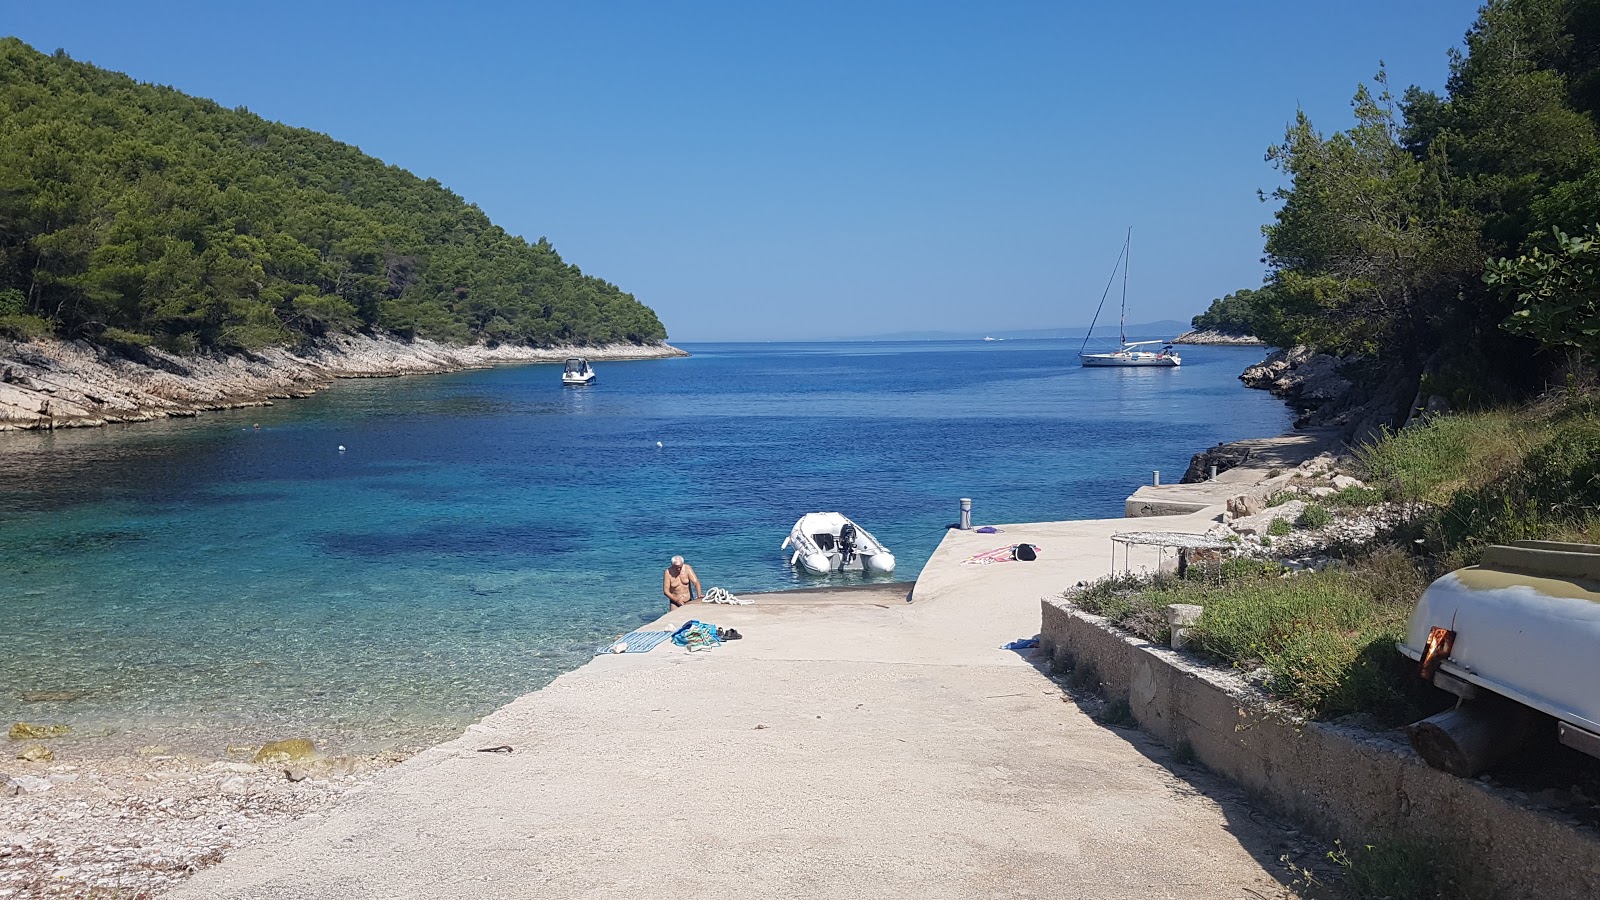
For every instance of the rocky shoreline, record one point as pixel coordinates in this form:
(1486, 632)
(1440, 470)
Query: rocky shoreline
(1218, 339)
(58, 384)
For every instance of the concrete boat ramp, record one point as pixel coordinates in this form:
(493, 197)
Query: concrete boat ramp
(854, 744)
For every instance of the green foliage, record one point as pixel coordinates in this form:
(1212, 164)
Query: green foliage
(1431, 460)
(1384, 233)
(1355, 497)
(1360, 246)
(1497, 476)
(1326, 638)
(1315, 515)
(1233, 314)
(1557, 293)
(1279, 527)
(1403, 870)
(136, 211)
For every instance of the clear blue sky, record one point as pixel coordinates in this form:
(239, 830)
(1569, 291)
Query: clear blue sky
(759, 170)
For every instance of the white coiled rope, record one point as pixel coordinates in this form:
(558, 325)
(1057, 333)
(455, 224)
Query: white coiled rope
(718, 595)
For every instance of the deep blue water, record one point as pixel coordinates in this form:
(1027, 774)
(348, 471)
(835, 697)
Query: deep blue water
(205, 580)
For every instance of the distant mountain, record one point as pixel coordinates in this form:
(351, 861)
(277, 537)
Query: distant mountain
(1163, 328)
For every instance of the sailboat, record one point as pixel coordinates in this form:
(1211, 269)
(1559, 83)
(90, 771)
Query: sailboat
(1129, 355)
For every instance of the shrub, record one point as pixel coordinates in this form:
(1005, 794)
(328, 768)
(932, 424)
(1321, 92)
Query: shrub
(1279, 527)
(1127, 601)
(1433, 460)
(118, 339)
(1327, 638)
(1355, 497)
(1315, 515)
(25, 328)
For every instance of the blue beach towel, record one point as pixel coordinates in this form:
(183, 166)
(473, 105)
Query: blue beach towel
(1022, 644)
(696, 635)
(636, 641)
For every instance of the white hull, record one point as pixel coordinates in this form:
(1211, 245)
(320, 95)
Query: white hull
(577, 372)
(1166, 360)
(821, 545)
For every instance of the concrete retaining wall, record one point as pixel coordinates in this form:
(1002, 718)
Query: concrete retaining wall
(1342, 783)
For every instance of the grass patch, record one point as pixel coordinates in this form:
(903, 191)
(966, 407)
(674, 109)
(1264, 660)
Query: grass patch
(1497, 476)
(1352, 497)
(1315, 515)
(1400, 870)
(1279, 527)
(1431, 461)
(1127, 601)
(1326, 638)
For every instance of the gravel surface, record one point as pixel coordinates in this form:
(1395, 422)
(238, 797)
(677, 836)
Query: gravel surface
(131, 827)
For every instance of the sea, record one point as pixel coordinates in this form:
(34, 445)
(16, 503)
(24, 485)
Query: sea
(379, 565)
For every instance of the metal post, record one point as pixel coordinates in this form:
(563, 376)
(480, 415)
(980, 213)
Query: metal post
(1155, 477)
(966, 513)
(1213, 473)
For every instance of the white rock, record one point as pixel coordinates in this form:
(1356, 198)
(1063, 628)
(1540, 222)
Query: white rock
(1345, 481)
(234, 785)
(30, 784)
(1259, 524)
(234, 767)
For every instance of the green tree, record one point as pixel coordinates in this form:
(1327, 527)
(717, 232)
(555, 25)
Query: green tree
(1557, 293)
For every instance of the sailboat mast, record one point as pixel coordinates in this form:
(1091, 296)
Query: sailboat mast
(1127, 260)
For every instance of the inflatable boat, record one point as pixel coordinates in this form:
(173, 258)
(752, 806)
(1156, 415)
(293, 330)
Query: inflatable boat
(825, 542)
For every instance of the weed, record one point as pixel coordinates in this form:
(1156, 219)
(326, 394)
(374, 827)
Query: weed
(1398, 870)
(1279, 527)
(1315, 515)
(1355, 497)
(1084, 678)
(1119, 714)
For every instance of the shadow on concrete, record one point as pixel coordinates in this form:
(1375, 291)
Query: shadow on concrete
(1296, 858)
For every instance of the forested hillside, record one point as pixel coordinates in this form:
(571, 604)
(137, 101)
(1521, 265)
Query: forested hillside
(1449, 235)
(134, 214)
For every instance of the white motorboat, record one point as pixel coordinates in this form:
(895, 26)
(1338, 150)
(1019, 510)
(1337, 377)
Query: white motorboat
(826, 542)
(1127, 355)
(578, 371)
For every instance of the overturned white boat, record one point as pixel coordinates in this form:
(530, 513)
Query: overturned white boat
(578, 371)
(826, 542)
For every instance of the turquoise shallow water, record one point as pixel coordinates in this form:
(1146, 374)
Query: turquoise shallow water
(204, 581)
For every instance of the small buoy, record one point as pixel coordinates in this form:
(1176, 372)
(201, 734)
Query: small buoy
(341, 448)
(658, 444)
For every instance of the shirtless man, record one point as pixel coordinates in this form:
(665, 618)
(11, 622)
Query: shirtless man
(679, 583)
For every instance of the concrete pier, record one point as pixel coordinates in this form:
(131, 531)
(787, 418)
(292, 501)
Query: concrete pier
(852, 744)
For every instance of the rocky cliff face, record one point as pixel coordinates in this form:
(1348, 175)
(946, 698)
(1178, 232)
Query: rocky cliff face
(55, 384)
(1317, 386)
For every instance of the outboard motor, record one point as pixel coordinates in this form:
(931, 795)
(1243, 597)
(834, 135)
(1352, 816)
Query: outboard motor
(847, 544)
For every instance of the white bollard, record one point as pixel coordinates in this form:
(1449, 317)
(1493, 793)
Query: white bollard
(1155, 477)
(1213, 473)
(966, 513)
